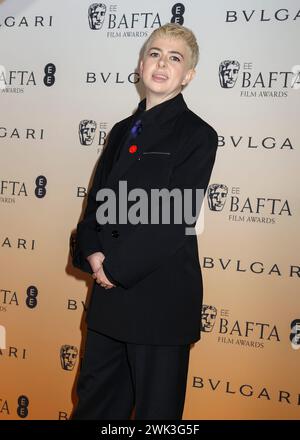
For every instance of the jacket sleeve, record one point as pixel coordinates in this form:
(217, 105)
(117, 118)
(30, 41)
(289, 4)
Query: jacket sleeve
(87, 239)
(150, 245)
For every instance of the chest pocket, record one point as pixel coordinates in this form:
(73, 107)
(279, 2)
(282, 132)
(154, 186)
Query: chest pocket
(153, 168)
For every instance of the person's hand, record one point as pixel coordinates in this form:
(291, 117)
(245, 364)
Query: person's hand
(96, 261)
(101, 278)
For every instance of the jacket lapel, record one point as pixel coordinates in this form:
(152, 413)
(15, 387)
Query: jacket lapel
(113, 165)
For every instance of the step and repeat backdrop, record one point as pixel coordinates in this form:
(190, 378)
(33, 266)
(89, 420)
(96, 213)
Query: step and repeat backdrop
(68, 72)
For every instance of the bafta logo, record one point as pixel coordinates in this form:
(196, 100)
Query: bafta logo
(208, 318)
(68, 356)
(96, 15)
(228, 73)
(295, 334)
(216, 196)
(87, 130)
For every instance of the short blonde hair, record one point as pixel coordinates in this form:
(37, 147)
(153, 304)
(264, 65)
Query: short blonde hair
(174, 30)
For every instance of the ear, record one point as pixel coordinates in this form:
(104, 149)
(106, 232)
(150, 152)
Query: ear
(188, 77)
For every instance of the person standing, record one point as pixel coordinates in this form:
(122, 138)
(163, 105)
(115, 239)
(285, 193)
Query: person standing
(145, 308)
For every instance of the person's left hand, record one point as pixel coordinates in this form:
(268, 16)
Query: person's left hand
(102, 279)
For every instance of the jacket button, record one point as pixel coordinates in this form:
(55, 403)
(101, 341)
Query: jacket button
(115, 233)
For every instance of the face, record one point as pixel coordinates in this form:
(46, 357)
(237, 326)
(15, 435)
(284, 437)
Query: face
(165, 68)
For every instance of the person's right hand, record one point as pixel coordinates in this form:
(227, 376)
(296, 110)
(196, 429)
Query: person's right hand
(96, 261)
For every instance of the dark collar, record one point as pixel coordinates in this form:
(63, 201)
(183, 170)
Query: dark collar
(161, 113)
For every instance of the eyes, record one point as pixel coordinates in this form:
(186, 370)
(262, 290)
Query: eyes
(156, 54)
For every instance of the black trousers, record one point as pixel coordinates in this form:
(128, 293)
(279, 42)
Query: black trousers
(117, 376)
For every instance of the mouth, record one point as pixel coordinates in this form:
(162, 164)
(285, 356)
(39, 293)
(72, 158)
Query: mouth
(159, 77)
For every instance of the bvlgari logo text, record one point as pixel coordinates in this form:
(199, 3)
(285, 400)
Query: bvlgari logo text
(112, 78)
(262, 15)
(27, 22)
(13, 353)
(22, 134)
(254, 391)
(271, 143)
(258, 268)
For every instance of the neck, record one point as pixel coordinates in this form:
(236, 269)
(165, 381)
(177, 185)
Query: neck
(153, 100)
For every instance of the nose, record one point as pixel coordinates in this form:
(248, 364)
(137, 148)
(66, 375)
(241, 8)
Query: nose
(161, 61)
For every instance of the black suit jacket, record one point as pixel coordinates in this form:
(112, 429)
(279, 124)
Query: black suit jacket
(158, 298)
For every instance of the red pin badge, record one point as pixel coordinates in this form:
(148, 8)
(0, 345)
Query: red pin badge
(132, 149)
